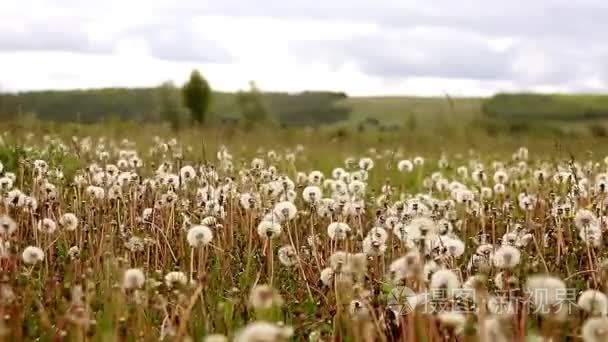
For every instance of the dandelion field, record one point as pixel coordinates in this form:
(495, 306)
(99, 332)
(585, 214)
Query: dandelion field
(114, 236)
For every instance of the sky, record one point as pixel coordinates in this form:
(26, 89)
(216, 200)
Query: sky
(379, 47)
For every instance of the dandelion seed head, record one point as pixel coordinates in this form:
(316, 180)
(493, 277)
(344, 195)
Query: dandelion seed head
(593, 302)
(32, 255)
(133, 278)
(264, 297)
(338, 230)
(199, 236)
(595, 329)
(288, 255)
(7, 226)
(176, 278)
(506, 257)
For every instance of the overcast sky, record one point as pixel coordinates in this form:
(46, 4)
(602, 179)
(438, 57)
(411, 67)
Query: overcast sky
(423, 47)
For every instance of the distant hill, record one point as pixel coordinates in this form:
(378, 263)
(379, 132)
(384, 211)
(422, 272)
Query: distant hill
(301, 109)
(142, 104)
(562, 107)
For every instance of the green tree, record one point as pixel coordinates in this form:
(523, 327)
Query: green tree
(169, 104)
(197, 96)
(252, 108)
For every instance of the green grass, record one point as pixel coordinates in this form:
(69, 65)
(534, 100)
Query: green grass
(399, 110)
(547, 107)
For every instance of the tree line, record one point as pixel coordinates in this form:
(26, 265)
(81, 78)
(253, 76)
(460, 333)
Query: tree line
(194, 102)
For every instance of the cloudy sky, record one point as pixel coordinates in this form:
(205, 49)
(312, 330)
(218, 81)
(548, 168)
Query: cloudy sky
(363, 47)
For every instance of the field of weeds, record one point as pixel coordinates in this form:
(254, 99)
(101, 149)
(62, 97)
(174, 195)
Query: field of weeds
(106, 239)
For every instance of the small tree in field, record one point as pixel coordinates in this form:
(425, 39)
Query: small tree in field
(252, 107)
(197, 96)
(170, 109)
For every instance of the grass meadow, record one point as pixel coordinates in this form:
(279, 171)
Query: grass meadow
(443, 230)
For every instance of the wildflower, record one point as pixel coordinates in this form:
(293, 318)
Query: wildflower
(591, 235)
(544, 294)
(199, 236)
(378, 234)
(288, 255)
(366, 164)
(338, 230)
(445, 227)
(585, 218)
(258, 163)
(405, 267)
(41, 166)
(68, 221)
(263, 332)
(356, 187)
(479, 176)
(135, 244)
(175, 278)
(337, 173)
(593, 302)
(147, 214)
(6, 183)
(209, 221)
(373, 247)
(269, 229)
(312, 194)
(595, 330)
(500, 177)
(32, 255)
(455, 247)
(486, 193)
(445, 280)
(187, 173)
(47, 226)
(420, 227)
(95, 192)
(263, 297)
(285, 211)
(249, 201)
(7, 226)
(73, 252)
(316, 178)
(327, 276)
(418, 161)
(506, 257)
(429, 268)
(133, 279)
(499, 188)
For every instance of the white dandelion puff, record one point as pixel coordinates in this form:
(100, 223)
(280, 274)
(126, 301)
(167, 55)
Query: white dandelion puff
(47, 226)
(7, 226)
(199, 236)
(264, 297)
(285, 211)
(176, 278)
(593, 302)
(32, 255)
(69, 221)
(338, 230)
(288, 255)
(506, 257)
(133, 278)
(269, 229)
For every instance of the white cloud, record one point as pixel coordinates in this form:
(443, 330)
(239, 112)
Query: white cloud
(463, 47)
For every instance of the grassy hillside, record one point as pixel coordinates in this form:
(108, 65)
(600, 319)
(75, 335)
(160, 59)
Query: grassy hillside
(401, 111)
(547, 107)
(142, 104)
(535, 113)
